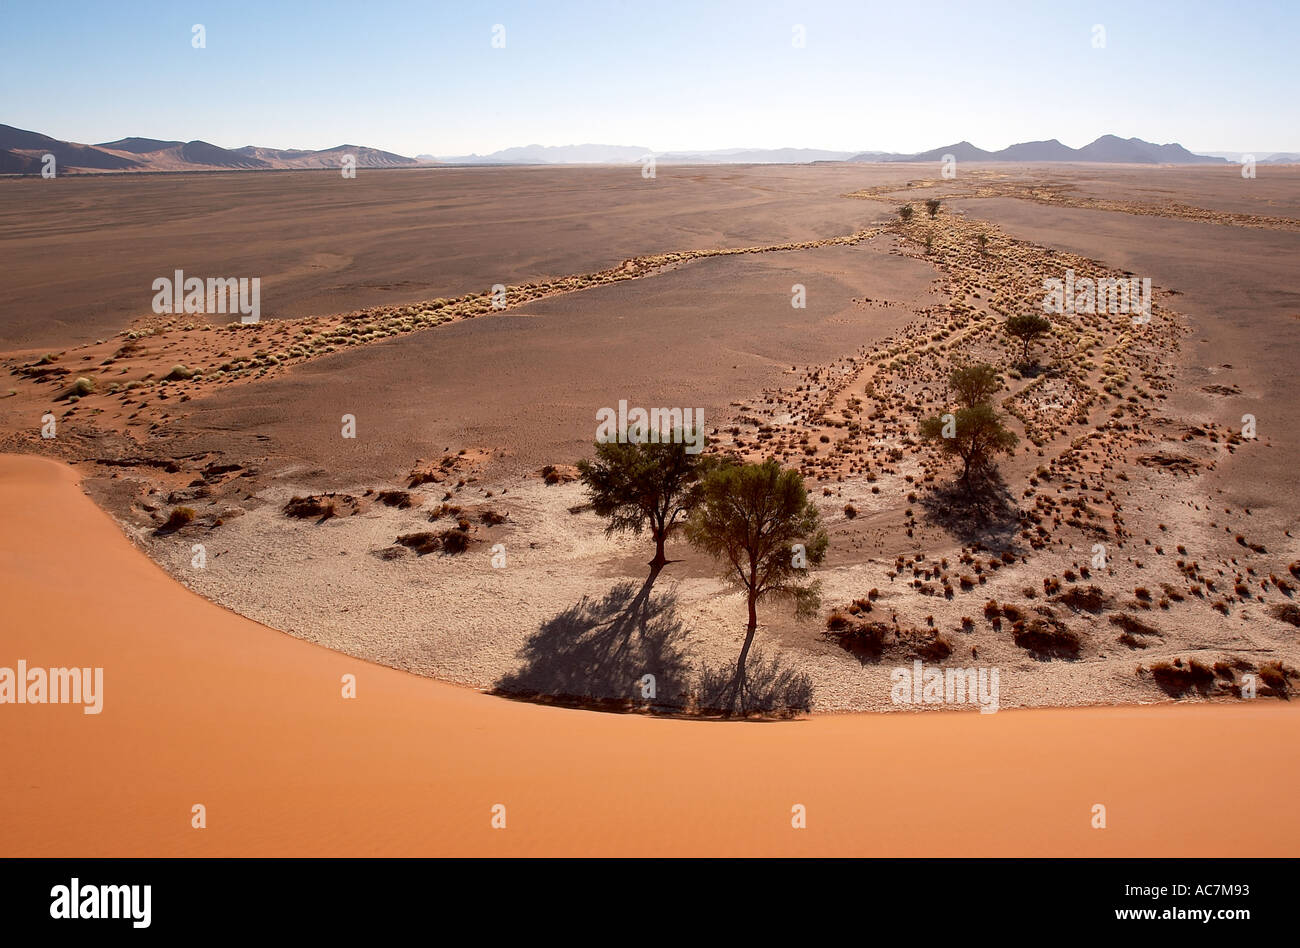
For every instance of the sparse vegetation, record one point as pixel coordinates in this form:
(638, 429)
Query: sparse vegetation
(644, 484)
(759, 523)
(974, 384)
(179, 517)
(976, 435)
(1177, 678)
(1027, 328)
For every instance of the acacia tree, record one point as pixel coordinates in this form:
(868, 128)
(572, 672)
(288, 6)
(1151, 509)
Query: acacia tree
(757, 520)
(905, 212)
(1027, 327)
(974, 383)
(974, 434)
(644, 484)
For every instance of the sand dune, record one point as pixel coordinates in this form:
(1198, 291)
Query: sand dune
(202, 706)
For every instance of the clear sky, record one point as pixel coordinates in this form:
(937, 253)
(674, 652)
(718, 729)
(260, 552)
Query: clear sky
(420, 76)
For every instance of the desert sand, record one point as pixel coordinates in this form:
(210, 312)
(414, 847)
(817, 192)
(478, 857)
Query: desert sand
(202, 706)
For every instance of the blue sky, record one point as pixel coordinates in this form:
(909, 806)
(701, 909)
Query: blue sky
(422, 77)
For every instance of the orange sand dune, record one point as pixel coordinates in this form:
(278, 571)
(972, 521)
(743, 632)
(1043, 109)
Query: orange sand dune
(203, 706)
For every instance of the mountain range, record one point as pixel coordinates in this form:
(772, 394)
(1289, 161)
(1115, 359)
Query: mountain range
(22, 152)
(629, 154)
(1107, 149)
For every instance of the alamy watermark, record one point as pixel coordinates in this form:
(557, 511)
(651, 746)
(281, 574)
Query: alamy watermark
(654, 425)
(934, 685)
(1113, 295)
(23, 685)
(182, 294)
(76, 900)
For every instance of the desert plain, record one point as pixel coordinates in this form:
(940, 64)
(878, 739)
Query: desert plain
(1166, 447)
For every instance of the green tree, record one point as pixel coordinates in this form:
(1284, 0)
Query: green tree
(905, 212)
(932, 205)
(647, 484)
(757, 520)
(973, 434)
(1027, 327)
(974, 383)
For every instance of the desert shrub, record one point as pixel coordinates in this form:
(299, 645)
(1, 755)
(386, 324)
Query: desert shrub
(553, 474)
(905, 212)
(398, 498)
(837, 621)
(1177, 678)
(446, 510)
(932, 205)
(929, 647)
(1087, 598)
(1287, 612)
(179, 517)
(179, 373)
(313, 505)
(1275, 675)
(850, 511)
(1132, 624)
(423, 542)
(493, 517)
(455, 541)
(865, 641)
(78, 389)
(1047, 638)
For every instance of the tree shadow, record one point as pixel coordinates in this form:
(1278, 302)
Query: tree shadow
(980, 511)
(596, 654)
(771, 688)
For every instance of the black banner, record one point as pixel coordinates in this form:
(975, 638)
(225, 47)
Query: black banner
(945, 899)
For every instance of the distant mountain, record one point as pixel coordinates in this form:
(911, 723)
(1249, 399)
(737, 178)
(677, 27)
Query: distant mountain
(752, 156)
(21, 147)
(1050, 150)
(1107, 149)
(555, 155)
(1261, 157)
(1135, 151)
(326, 157)
(22, 152)
(631, 154)
(962, 151)
(137, 146)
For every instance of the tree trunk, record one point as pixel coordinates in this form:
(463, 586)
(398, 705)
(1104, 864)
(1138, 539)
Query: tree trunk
(660, 559)
(739, 684)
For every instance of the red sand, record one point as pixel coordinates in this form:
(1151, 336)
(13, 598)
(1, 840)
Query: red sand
(203, 706)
